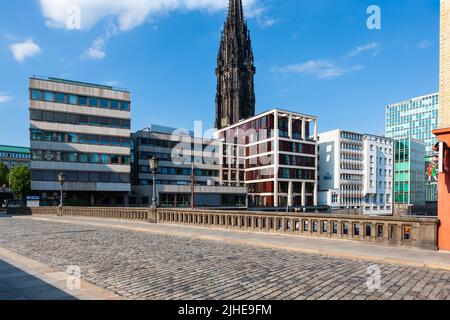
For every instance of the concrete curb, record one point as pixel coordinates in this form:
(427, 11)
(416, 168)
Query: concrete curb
(55, 277)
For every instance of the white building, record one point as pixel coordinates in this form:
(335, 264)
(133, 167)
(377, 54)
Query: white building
(274, 154)
(356, 171)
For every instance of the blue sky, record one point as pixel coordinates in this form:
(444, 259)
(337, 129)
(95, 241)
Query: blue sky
(315, 57)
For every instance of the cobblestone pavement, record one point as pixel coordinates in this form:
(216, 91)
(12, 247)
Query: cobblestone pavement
(141, 265)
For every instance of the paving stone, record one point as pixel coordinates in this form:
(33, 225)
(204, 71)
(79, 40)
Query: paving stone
(141, 265)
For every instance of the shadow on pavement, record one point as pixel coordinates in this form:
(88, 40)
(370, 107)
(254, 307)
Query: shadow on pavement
(16, 284)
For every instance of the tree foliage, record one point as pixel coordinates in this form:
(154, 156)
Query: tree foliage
(4, 173)
(20, 179)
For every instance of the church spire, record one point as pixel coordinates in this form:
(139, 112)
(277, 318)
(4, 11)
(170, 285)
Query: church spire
(235, 13)
(235, 99)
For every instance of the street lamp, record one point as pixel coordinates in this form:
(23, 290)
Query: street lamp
(62, 180)
(154, 168)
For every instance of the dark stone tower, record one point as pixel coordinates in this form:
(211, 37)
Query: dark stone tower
(235, 99)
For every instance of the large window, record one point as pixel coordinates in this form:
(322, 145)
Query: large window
(74, 176)
(40, 155)
(49, 96)
(95, 102)
(76, 119)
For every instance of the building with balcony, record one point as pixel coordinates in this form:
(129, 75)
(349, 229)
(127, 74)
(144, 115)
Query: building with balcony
(274, 155)
(356, 172)
(417, 118)
(81, 130)
(12, 156)
(178, 153)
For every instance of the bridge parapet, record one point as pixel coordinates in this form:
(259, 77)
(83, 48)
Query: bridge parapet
(395, 231)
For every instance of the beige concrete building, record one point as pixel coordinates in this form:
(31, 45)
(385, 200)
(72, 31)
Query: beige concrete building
(444, 110)
(83, 131)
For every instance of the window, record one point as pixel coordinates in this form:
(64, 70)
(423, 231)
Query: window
(114, 105)
(49, 96)
(36, 95)
(93, 102)
(60, 98)
(124, 106)
(82, 101)
(71, 99)
(103, 103)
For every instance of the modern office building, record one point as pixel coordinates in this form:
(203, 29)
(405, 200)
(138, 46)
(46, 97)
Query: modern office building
(12, 156)
(176, 150)
(81, 130)
(409, 186)
(274, 154)
(417, 118)
(356, 172)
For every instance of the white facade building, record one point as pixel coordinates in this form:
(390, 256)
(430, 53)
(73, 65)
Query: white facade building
(356, 171)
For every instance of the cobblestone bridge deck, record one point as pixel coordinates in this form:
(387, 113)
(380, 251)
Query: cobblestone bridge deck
(137, 262)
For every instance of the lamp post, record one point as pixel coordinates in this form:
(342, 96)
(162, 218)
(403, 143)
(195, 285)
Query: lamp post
(62, 180)
(154, 168)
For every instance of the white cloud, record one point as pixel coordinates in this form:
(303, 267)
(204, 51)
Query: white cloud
(364, 48)
(321, 69)
(4, 97)
(127, 14)
(23, 50)
(424, 44)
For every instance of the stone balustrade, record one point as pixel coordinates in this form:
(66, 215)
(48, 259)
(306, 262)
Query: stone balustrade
(399, 231)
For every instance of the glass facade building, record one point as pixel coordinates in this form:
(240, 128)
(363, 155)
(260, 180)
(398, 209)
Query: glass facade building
(416, 119)
(409, 180)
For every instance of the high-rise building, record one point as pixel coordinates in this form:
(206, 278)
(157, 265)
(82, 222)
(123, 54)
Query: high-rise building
(81, 130)
(15, 156)
(356, 171)
(235, 99)
(176, 150)
(274, 154)
(409, 186)
(417, 118)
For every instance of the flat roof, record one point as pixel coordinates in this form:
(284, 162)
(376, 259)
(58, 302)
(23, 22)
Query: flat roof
(412, 99)
(14, 149)
(266, 113)
(79, 83)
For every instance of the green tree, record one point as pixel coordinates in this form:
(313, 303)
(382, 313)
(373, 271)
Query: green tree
(4, 173)
(20, 182)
